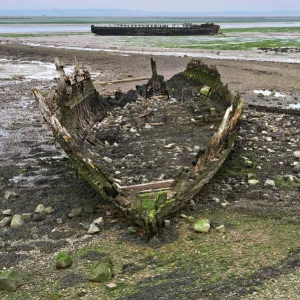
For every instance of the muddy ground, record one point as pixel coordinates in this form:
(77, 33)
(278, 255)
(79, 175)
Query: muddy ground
(257, 258)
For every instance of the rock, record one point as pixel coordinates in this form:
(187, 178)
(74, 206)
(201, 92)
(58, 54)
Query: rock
(39, 217)
(224, 204)
(16, 221)
(99, 221)
(248, 163)
(40, 209)
(5, 221)
(297, 154)
(26, 216)
(93, 229)
(76, 212)
(103, 271)
(49, 210)
(10, 194)
(167, 223)
(202, 225)
(2, 243)
(87, 236)
(296, 167)
(269, 139)
(253, 181)
(107, 159)
(288, 178)
(63, 260)
(170, 146)
(251, 176)
(59, 220)
(269, 183)
(10, 281)
(111, 285)
(217, 200)
(7, 212)
(221, 229)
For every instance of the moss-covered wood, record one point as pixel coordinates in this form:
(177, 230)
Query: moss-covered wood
(72, 110)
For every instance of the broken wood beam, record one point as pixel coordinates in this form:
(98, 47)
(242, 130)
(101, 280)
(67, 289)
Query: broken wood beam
(120, 81)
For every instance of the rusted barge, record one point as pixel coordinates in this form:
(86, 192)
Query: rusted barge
(151, 150)
(156, 29)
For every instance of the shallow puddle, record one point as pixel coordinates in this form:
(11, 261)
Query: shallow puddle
(18, 70)
(295, 105)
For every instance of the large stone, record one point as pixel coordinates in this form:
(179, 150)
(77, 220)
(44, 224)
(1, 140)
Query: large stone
(269, 183)
(5, 221)
(103, 271)
(16, 221)
(93, 229)
(40, 209)
(99, 221)
(10, 281)
(63, 260)
(202, 225)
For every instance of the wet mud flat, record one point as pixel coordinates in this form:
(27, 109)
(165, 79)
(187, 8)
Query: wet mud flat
(258, 257)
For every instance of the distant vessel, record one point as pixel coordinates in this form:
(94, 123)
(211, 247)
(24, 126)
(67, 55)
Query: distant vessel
(156, 29)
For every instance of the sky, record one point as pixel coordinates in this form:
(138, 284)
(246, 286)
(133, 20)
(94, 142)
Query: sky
(158, 5)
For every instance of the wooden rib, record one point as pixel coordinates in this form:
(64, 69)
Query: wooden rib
(152, 186)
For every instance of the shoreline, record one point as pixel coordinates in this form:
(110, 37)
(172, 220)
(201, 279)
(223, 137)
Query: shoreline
(241, 75)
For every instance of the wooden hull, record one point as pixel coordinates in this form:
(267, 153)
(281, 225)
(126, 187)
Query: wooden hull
(140, 30)
(76, 107)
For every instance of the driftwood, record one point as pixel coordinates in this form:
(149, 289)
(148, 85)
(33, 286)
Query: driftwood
(72, 110)
(120, 81)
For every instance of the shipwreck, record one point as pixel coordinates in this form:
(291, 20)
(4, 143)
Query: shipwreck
(156, 29)
(151, 150)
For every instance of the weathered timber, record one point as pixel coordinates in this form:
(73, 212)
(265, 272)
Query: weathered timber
(100, 134)
(156, 29)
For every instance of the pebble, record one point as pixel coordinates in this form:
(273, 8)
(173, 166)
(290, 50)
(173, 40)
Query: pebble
(7, 212)
(76, 212)
(39, 217)
(297, 154)
(40, 209)
(10, 194)
(59, 220)
(253, 181)
(167, 223)
(26, 216)
(269, 183)
(16, 221)
(5, 221)
(49, 210)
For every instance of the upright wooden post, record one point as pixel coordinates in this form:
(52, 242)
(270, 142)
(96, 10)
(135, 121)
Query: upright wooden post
(154, 75)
